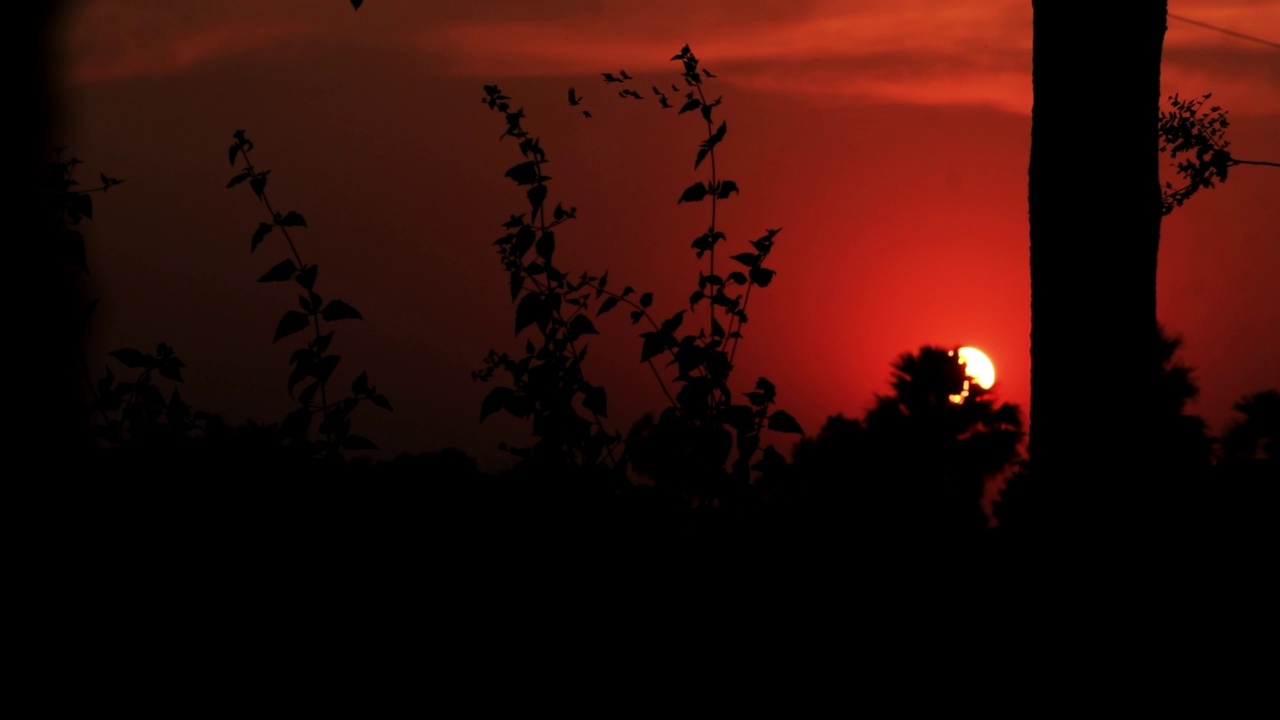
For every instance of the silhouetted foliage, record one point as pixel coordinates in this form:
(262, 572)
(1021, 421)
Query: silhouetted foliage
(132, 410)
(1256, 437)
(1200, 137)
(312, 365)
(690, 444)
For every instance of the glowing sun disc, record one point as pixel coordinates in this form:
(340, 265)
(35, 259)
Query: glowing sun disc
(978, 366)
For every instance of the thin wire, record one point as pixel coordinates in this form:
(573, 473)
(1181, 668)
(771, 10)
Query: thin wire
(1225, 31)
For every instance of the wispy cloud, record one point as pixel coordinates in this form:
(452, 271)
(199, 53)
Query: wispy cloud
(899, 51)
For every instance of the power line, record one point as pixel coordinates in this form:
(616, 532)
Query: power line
(1225, 31)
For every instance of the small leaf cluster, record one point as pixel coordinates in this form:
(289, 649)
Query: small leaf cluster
(1199, 138)
(312, 365)
(136, 409)
(705, 360)
(129, 410)
(68, 204)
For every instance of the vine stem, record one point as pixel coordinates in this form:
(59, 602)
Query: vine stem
(745, 300)
(315, 312)
(712, 154)
(649, 361)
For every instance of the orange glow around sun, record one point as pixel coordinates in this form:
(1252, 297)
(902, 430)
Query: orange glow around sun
(977, 367)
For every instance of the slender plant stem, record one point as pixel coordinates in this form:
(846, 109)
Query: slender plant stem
(745, 300)
(315, 312)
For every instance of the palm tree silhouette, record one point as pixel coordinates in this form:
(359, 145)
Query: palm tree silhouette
(919, 461)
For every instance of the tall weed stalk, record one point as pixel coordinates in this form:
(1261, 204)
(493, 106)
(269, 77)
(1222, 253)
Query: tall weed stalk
(312, 365)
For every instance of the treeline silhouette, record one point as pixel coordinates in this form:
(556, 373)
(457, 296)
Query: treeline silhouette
(916, 466)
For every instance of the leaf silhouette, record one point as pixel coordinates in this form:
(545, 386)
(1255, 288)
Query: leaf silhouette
(282, 270)
(694, 193)
(292, 219)
(307, 278)
(718, 135)
(726, 187)
(259, 235)
(761, 276)
(608, 304)
(360, 386)
(292, 322)
(781, 421)
(526, 173)
(580, 325)
(497, 399)
(537, 194)
(546, 245)
(356, 4)
(338, 310)
(527, 311)
(655, 343)
(517, 284)
(702, 153)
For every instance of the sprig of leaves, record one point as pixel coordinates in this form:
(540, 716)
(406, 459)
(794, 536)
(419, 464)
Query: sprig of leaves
(312, 365)
(1199, 137)
(136, 409)
(548, 384)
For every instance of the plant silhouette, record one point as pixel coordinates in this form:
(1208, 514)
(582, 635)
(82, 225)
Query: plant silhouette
(691, 442)
(313, 365)
(1200, 137)
(133, 410)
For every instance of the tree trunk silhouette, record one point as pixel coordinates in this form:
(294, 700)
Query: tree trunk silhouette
(1095, 208)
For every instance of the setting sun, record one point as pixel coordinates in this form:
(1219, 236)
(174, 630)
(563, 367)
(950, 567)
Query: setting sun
(978, 366)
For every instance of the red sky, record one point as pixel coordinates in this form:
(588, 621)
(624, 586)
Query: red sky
(889, 140)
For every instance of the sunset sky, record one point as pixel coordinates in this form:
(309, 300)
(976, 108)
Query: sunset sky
(889, 139)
